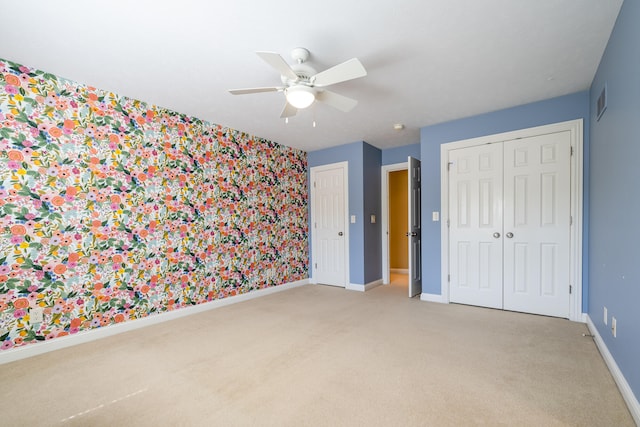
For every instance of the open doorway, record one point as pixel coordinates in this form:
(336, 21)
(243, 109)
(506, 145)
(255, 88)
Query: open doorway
(395, 256)
(398, 223)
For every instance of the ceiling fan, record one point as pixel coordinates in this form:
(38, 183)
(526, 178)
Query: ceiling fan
(303, 85)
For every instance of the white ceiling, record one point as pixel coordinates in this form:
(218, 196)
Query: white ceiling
(428, 61)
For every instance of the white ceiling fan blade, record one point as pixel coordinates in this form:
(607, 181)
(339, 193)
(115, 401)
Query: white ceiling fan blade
(288, 111)
(277, 62)
(255, 90)
(351, 69)
(341, 102)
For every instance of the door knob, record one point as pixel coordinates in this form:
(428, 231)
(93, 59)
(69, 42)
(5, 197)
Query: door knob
(340, 233)
(411, 234)
(509, 234)
(496, 235)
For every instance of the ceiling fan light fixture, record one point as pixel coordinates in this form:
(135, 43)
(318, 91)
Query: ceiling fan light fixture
(303, 85)
(300, 96)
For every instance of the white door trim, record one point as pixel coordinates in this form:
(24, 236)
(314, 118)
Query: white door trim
(386, 277)
(576, 129)
(314, 250)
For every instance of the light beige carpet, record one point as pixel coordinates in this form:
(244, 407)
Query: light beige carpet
(324, 356)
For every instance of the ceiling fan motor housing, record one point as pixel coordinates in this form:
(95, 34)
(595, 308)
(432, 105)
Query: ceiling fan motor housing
(304, 73)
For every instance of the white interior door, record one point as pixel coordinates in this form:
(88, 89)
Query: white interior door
(475, 228)
(328, 201)
(414, 233)
(537, 206)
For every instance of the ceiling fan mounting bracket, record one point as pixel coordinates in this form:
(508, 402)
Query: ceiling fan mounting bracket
(300, 54)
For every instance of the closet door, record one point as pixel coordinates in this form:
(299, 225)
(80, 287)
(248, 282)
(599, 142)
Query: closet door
(329, 196)
(537, 215)
(475, 228)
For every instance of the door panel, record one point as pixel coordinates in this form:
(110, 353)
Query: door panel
(415, 233)
(537, 206)
(475, 206)
(329, 227)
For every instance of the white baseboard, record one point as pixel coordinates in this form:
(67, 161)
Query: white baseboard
(95, 334)
(623, 385)
(355, 287)
(366, 287)
(399, 270)
(431, 298)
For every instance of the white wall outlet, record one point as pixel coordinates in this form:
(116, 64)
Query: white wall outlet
(614, 327)
(353, 219)
(435, 216)
(606, 317)
(36, 315)
(373, 219)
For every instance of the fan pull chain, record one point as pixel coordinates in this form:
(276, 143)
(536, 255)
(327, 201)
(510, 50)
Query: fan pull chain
(314, 114)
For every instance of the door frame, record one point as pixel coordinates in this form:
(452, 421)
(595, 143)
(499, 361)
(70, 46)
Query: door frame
(312, 216)
(575, 127)
(386, 268)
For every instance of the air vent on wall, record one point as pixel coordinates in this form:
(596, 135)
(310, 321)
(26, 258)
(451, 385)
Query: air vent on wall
(601, 104)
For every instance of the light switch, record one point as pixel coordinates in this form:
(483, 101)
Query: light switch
(353, 219)
(373, 219)
(435, 216)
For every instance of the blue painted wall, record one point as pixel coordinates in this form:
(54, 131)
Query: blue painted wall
(564, 108)
(365, 252)
(372, 158)
(391, 156)
(614, 268)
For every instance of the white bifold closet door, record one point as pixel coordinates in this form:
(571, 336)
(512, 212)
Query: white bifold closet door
(475, 227)
(509, 234)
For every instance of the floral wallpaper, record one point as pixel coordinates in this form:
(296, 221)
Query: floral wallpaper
(112, 209)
